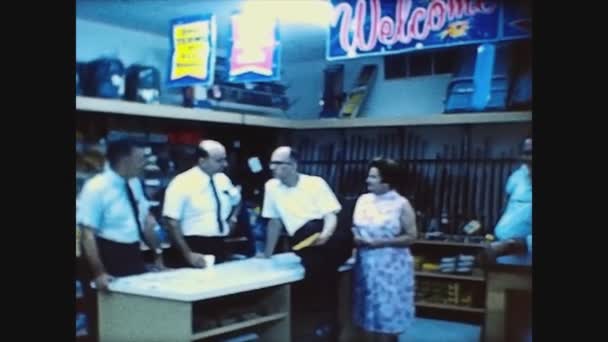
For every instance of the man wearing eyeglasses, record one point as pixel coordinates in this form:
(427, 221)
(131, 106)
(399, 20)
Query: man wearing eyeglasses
(201, 208)
(306, 206)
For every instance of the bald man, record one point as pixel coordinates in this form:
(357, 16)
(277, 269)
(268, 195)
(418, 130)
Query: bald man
(305, 205)
(201, 208)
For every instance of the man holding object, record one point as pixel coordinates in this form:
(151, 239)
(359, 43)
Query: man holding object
(305, 205)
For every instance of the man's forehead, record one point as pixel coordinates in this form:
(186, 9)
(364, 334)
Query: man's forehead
(217, 152)
(211, 145)
(281, 153)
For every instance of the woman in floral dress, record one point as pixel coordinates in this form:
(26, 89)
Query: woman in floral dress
(384, 226)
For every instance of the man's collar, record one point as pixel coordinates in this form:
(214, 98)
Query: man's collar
(298, 178)
(114, 176)
(204, 176)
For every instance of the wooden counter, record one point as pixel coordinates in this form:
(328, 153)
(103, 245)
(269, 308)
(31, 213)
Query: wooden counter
(508, 276)
(177, 305)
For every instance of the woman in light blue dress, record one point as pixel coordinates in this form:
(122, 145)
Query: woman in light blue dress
(384, 226)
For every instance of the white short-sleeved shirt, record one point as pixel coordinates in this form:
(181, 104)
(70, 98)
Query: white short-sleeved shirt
(310, 199)
(103, 205)
(189, 199)
(516, 221)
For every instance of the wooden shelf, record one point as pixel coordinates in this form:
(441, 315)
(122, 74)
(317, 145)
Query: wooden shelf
(425, 120)
(449, 307)
(449, 276)
(156, 110)
(209, 115)
(449, 243)
(265, 121)
(238, 326)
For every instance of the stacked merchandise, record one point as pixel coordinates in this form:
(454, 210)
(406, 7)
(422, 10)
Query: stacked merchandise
(444, 292)
(462, 264)
(108, 78)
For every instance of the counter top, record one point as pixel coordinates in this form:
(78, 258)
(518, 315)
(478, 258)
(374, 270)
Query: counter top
(521, 262)
(189, 284)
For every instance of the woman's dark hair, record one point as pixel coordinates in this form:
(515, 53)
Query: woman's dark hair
(389, 170)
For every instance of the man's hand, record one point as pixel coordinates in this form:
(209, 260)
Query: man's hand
(359, 241)
(324, 236)
(232, 221)
(103, 281)
(322, 239)
(197, 260)
(150, 222)
(329, 228)
(261, 255)
(159, 265)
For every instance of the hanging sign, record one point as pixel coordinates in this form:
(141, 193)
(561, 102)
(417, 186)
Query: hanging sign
(254, 51)
(362, 28)
(192, 51)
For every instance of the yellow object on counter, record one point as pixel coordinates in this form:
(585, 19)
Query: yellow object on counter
(430, 267)
(489, 237)
(306, 242)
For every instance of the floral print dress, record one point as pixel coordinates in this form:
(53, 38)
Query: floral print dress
(383, 277)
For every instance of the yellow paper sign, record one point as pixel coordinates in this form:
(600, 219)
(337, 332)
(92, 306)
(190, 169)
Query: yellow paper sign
(192, 50)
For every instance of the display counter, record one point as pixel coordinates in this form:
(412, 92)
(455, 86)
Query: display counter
(247, 296)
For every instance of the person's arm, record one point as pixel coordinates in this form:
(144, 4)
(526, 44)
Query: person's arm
(152, 240)
(234, 215)
(330, 221)
(234, 195)
(407, 220)
(148, 232)
(328, 201)
(149, 223)
(90, 218)
(175, 232)
(358, 240)
(273, 231)
(144, 207)
(511, 182)
(91, 252)
(172, 212)
(274, 226)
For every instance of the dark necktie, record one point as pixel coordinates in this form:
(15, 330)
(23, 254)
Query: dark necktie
(135, 209)
(218, 206)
